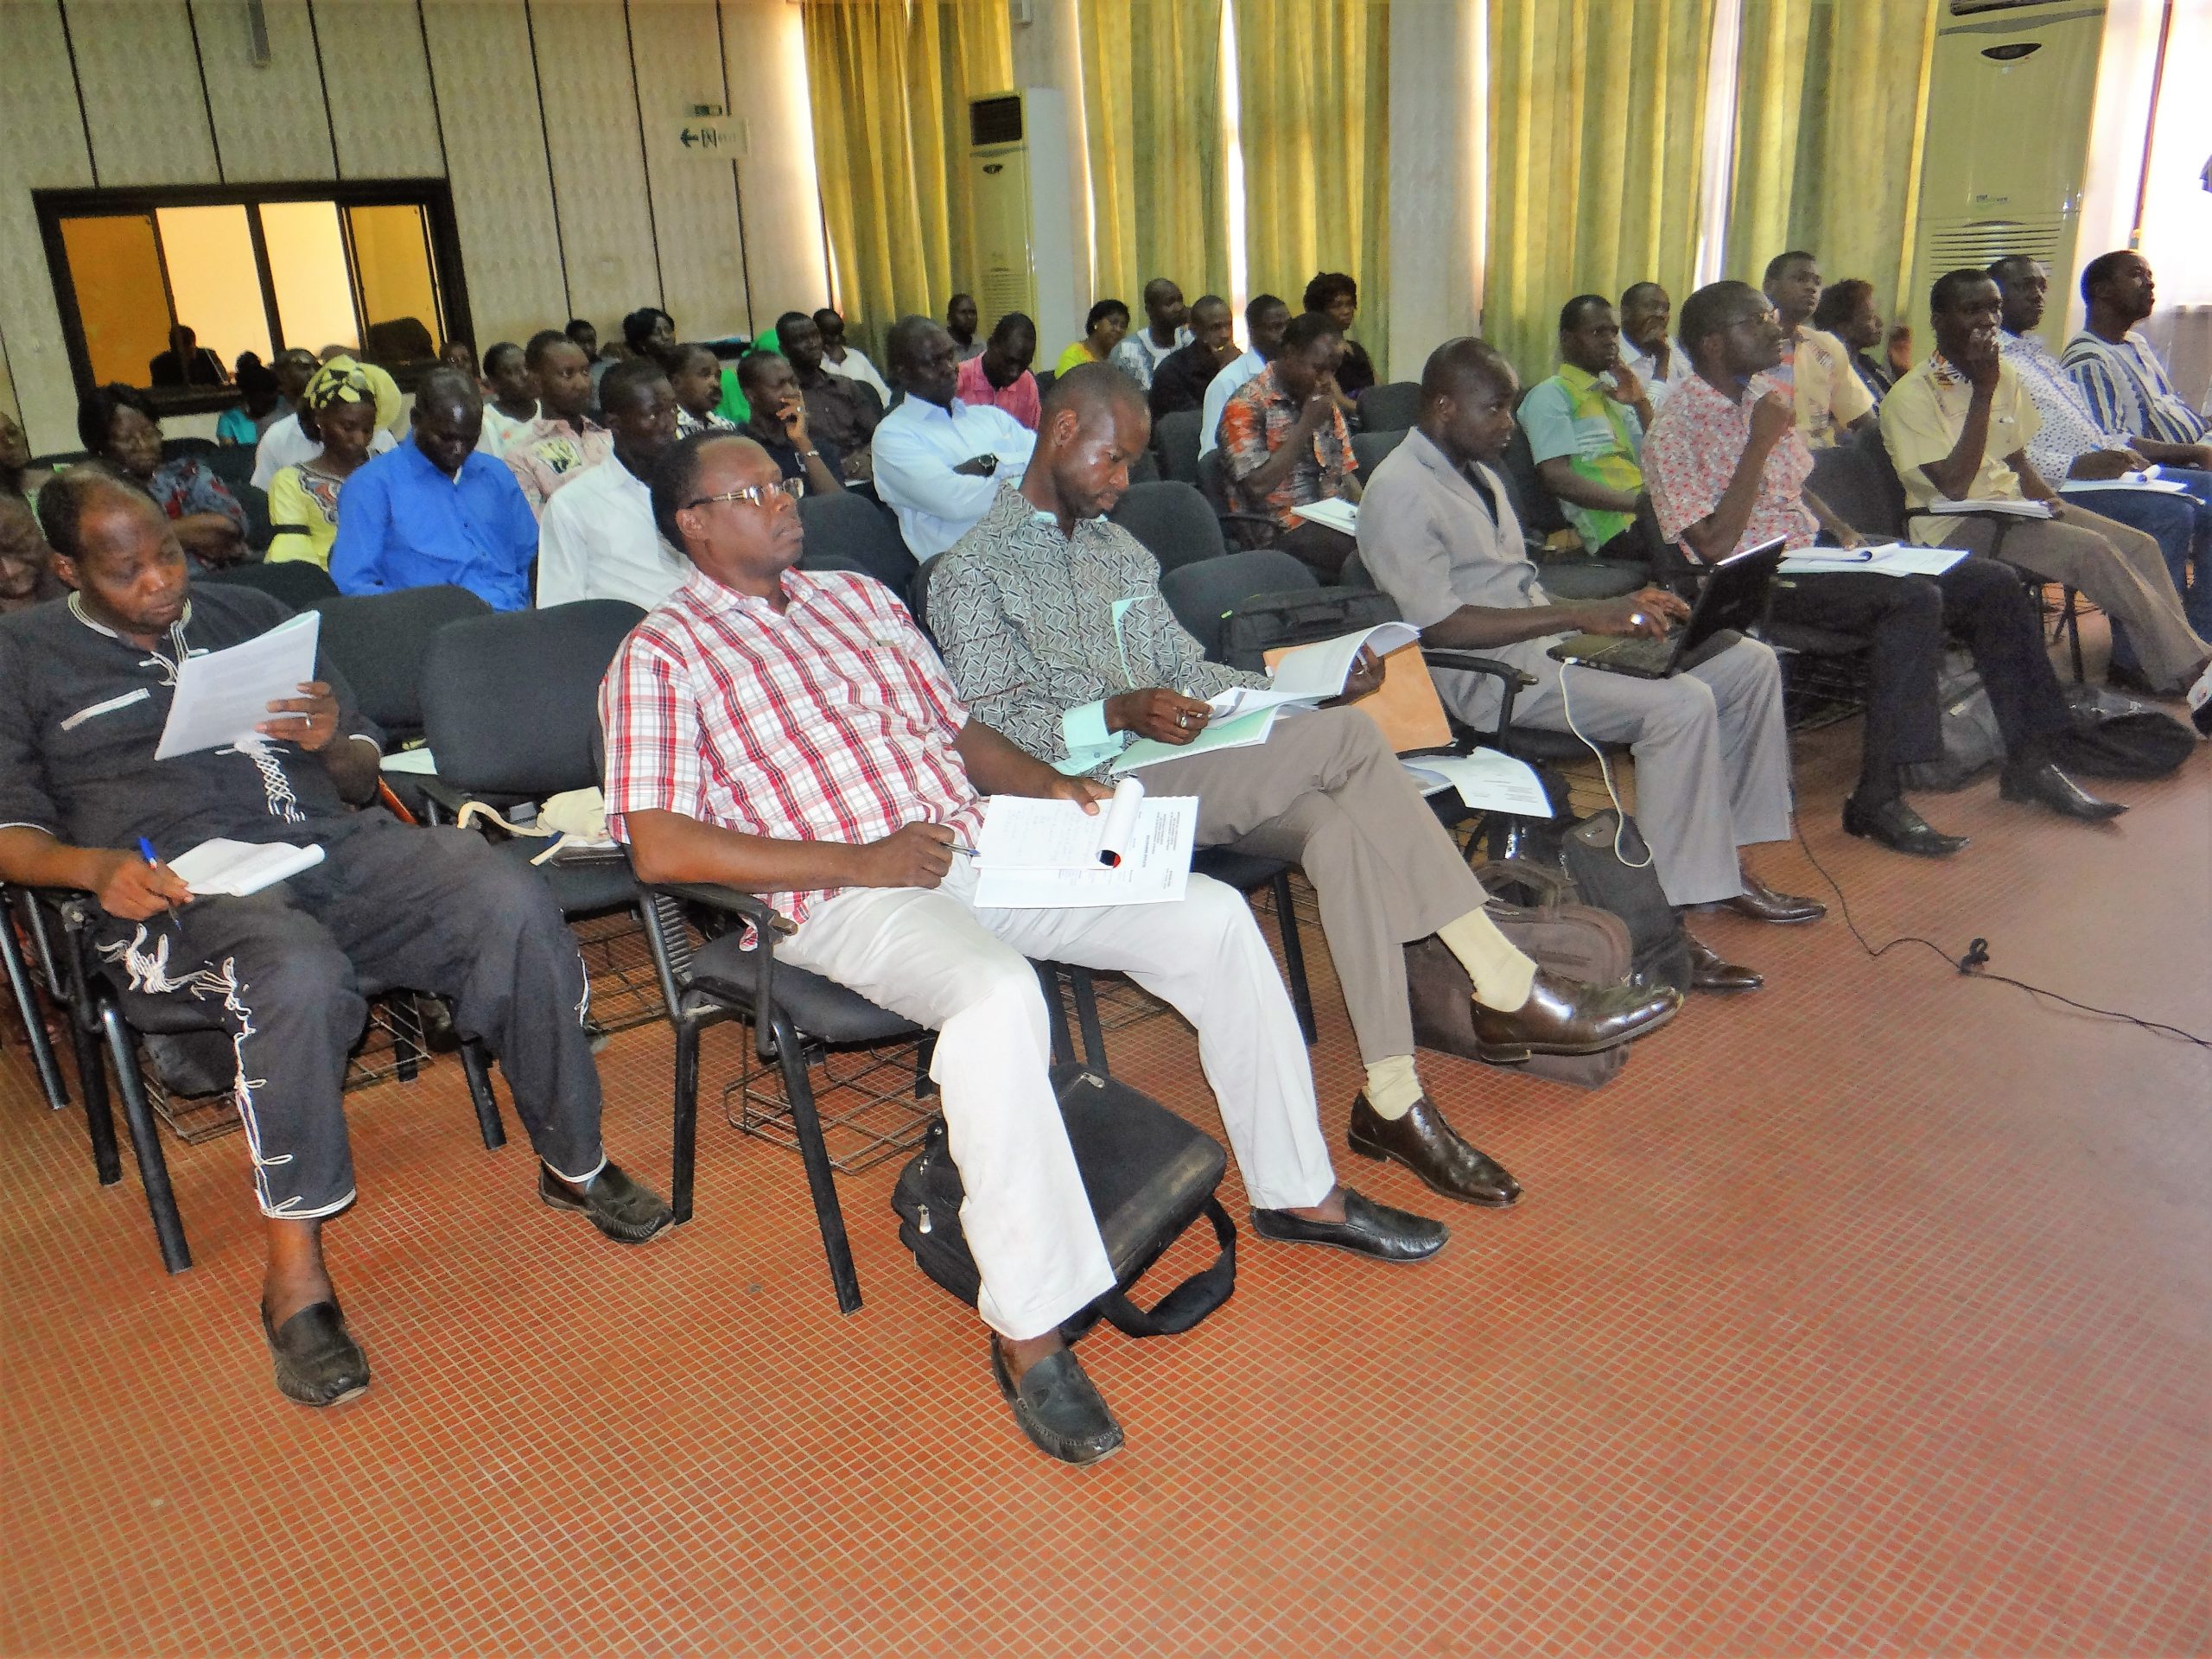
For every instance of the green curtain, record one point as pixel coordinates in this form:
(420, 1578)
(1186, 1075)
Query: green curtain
(1596, 121)
(889, 81)
(1152, 114)
(1314, 79)
(1831, 98)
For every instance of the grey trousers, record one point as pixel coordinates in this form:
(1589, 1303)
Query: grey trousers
(2121, 571)
(1712, 757)
(1325, 791)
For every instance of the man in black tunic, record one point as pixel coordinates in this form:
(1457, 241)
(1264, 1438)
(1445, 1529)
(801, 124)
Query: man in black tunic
(85, 690)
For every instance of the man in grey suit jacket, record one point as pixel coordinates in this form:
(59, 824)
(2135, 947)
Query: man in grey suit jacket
(1439, 535)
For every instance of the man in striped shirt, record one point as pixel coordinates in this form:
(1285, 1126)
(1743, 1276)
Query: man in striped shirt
(2121, 376)
(793, 734)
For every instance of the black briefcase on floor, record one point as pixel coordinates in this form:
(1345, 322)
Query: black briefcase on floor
(1149, 1175)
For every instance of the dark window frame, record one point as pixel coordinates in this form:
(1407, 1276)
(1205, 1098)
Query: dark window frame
(433, 196)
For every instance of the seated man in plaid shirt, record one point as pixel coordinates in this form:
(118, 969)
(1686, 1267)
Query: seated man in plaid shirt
(791, 734)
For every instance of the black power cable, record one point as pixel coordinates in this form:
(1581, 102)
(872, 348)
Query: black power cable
(1973, 964)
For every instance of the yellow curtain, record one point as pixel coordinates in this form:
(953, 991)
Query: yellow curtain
(1597, 120)
(1832, 96)
(1152, 113)
(889, 81)
(1312, 79)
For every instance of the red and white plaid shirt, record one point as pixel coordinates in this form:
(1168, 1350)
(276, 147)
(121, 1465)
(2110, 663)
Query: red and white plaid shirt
(832, 721)
(1690, 456)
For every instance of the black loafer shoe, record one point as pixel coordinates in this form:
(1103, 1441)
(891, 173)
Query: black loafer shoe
(1368, 1229)
(1708, 972)
(1564, 1016)
(2046, 785)
(1429, 1147)
(1057, 1409)
(1762, 904)
(618, 1206)
(1898, 828)
(318, 1362)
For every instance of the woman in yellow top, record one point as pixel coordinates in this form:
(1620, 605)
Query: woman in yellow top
(1103, 330)
(303, 500)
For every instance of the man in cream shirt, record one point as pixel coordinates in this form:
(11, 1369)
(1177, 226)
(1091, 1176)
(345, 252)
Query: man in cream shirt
(597, 539)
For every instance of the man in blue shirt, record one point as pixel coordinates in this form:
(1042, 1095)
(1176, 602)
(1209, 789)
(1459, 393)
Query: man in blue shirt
(434, 511)
(938, 462)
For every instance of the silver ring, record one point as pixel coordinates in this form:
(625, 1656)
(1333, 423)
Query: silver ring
(1636, 617)
(1183, 720)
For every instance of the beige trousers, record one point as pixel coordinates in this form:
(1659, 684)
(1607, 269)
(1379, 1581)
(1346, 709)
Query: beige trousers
(2120, 570)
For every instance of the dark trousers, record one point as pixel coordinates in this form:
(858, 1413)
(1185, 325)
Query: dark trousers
(1905, 619)
(287, 971)
(1319, 548)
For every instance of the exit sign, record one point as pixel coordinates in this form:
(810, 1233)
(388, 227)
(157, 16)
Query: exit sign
(716, 139)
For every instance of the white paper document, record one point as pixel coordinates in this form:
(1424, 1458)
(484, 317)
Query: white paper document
(1314, 673)
(223, 696)
(1488, 781)
(1895, 559)
(1336, 513)
(2020, 509)
(421, 762)
(233, 869)
(1036, 855)
(2148, 478)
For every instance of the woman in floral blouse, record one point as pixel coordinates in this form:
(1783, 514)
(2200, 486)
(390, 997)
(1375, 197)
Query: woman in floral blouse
(118, 425)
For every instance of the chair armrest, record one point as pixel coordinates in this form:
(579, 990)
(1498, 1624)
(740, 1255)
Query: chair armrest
(767, 925)
(1253, 529)
(443, 798)
(1510, 679)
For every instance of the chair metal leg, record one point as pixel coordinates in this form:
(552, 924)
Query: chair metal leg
(99, 1116)
(1086, 1013)
(42, 1046)
(476, 1066)
(145, 1140)
(821, 1180)
(1056, 1013)
(1293, 958)
(2072, 624)
(686, 1146)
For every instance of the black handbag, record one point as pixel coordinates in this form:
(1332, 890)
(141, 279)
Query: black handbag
(1149, 1175)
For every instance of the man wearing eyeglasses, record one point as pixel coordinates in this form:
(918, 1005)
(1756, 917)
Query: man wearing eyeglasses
(791, 734)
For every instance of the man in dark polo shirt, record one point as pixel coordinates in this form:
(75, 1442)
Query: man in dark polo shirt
(85, 690)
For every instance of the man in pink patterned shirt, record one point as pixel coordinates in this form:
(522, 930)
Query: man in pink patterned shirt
(1000, 375)
(563, 441)
(1726, 466)
(793, 734)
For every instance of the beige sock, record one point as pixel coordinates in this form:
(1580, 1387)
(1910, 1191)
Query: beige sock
(1501, 974)
(1393, 1086)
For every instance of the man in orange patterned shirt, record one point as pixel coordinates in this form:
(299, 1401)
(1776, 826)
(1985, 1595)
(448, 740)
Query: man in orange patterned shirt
(1286, 444)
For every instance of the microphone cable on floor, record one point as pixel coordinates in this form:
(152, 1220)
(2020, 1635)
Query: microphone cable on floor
(1973, 964)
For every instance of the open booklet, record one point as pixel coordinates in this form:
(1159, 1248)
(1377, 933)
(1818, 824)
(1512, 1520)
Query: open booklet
(1894, 559)
(1335, 513)
(2150, 478)
(1036, 855)
(1488, 781)
(219, 868)
(2015, 507)
(223, 694)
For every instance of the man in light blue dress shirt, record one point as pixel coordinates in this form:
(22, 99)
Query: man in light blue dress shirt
(938, 462)
(435, 511)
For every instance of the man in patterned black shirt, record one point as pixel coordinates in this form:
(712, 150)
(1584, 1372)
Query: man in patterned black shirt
(85, 691)
(1051, 620)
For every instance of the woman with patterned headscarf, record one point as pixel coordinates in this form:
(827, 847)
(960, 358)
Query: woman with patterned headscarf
(303, 498)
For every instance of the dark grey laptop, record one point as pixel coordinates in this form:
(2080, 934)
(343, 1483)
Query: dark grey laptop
(1733, 600)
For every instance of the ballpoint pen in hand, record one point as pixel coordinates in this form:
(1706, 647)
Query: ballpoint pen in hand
(146, 852)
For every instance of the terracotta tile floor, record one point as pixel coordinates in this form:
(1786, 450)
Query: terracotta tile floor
(1872, 1314)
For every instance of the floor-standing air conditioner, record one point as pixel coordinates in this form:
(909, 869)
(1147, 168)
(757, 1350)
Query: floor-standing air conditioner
(2011, 90)
(1025, 231)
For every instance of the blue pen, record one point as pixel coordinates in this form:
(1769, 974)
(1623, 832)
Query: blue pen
(146, 852)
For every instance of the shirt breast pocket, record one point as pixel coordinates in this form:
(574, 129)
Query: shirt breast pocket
(121, 725)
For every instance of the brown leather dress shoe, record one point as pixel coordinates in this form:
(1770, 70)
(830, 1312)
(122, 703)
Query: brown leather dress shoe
(1564, 1016)
(1762, 904)
(1709, 973)
(1429, 1147)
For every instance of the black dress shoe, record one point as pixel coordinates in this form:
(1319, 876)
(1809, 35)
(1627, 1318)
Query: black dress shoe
(1429, 1147)
(1368, 1229)
(1762, 904)
(618, 1206)
(2122, 678)
(1898, 828)
(2046, 785)
(1564, 1016)
(1709, 973)
(1057, 1409)
(318, 1362)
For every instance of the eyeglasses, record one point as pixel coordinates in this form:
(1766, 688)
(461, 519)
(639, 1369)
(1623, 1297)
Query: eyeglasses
(758, 495)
